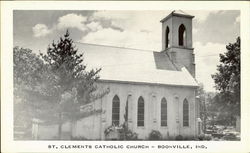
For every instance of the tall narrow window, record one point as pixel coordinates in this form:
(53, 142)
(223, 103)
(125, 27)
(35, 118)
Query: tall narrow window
(164, 112)
(182, 35)
(167, 37)
(115, 110)
(140, 112)
(185, 113)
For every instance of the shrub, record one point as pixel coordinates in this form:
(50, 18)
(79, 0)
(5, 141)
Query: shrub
(128, 135)
(201, 137)
(155, 135)
(179, 137)
(112, 132)
(111, 128)
(123, 131)
(208, 137)
(205, 137)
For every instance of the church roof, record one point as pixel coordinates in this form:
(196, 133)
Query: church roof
(177, 13)
(180, 12)
(134, 65)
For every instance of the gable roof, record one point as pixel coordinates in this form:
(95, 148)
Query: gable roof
(179, 13)
(134, 65)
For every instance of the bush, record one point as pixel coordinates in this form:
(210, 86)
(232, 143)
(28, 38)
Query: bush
(123, 133)
(155, 135)
(208, 137)
(179, 137)
(128, 135)
(110, 129)
(203, 137)
(112, 132)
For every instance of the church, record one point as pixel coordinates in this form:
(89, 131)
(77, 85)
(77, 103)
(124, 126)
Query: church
(157, 87)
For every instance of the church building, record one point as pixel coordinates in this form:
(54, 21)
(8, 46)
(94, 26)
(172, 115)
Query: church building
(157, 87)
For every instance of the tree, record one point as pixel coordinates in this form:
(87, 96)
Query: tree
(53, 86)
(211, 108)
(227, 80)
(201, 95)
(28, 68)
(73, 86)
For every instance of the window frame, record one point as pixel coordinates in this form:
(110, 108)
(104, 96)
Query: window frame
(115, 116)
(164, 100)
(182, 34)
(140, 112)
(167, 31)
(185, 112)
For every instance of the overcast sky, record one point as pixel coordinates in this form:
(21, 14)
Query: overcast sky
(212, 31)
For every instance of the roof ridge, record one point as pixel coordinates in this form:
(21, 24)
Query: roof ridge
(145, 50)
(181, 12)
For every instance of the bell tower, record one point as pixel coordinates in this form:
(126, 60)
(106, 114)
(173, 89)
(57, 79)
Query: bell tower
(177, 39)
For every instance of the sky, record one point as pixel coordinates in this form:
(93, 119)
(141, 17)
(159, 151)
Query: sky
(212, 31)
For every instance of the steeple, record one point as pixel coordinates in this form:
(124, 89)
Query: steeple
(177, 39)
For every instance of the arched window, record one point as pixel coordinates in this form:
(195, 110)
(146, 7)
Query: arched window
(115, 110)
(182, 35)
(185, 113)
(140, 112)
(167, 37)
(164, 112)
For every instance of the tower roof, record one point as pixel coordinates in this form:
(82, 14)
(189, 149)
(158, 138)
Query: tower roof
(179, 13)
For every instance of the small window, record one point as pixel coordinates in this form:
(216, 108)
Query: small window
(115, 110)
(140, 112)
(182, 35)
(164, 112)
(185, 113)
(167, 37)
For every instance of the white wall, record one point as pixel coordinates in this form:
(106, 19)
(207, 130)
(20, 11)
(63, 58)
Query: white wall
(152, 95)
(93, 127)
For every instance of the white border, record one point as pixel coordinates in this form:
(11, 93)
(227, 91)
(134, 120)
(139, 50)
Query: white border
(8, 145)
